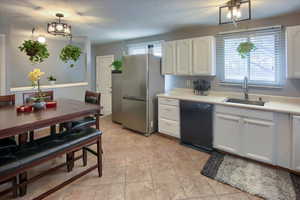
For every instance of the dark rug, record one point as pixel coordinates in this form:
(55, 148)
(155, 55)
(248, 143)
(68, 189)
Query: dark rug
(252, 177)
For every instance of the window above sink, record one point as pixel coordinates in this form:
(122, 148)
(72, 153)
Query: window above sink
(263, 66)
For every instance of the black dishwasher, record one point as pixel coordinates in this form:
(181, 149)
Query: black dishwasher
(196, 124)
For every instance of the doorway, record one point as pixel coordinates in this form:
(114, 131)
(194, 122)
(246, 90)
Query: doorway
(103, 82)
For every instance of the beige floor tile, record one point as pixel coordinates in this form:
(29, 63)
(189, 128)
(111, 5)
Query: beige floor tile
(80, 193)
(110, 192)
(169, 190)
(221, 188)
(195, 186)
(139, 190)
(237, 196)
(139, 172)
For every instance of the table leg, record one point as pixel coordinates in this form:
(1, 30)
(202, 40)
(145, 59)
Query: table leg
(53, 129)
(22, 179)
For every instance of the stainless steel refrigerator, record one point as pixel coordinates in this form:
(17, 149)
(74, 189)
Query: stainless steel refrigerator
(142, 81)
(116, 97)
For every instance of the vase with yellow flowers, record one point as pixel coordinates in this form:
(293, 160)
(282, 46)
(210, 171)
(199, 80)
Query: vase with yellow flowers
(35, 77)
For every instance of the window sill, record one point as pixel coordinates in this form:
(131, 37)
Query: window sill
(250, 85)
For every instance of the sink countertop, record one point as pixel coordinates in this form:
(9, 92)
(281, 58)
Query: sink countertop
(273, 103)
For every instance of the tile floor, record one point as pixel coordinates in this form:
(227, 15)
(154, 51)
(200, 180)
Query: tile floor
(136, 167)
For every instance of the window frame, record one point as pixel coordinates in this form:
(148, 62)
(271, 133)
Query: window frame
(144, 44)
(280, 72)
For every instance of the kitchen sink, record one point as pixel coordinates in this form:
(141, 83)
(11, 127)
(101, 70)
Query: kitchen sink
(244, 101)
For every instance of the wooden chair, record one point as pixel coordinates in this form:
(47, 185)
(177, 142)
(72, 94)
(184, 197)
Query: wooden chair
(8, 145)
(27, 98)
(92, 98)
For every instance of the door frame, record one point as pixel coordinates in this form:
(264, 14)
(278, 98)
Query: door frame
(97, 71)
(3, 66)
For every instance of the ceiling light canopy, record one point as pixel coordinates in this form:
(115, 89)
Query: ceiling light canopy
(235, 11)
(59, 28)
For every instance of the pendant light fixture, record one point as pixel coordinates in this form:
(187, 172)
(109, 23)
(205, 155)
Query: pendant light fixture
(235, 11)
(59, 28)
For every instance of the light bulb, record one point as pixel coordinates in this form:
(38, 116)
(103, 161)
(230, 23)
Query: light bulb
(41, 39)
(51, 28)
(59, 27)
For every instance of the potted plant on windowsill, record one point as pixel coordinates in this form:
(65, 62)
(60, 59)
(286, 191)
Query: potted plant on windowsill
(52, 80)
(35, 77)
(117, 66)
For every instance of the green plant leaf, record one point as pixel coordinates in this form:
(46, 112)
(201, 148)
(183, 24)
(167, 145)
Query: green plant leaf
(245, 48)
(70, 53)
(117, 65)
(36, 51)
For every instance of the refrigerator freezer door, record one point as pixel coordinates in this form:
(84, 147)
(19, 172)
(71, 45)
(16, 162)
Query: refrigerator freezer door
(134, 114)
(135, 76)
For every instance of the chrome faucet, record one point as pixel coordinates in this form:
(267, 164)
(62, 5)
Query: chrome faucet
(245, 88)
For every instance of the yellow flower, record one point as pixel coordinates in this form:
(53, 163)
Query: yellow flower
(35, 75)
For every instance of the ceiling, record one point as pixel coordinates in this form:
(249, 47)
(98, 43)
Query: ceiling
(111, 20)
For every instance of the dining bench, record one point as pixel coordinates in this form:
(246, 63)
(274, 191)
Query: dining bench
(44, 149)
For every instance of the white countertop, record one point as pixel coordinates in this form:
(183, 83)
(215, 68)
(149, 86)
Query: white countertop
(273, 103)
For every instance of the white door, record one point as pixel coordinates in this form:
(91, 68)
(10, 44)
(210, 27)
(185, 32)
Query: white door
(103, 84)
(2, 66)
(292, 51)
(203, 56)
(258, 139)
(227, 133)
(183, 57)
(168, 58)
(296, 143)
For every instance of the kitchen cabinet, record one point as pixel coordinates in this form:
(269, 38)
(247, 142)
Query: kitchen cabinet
(296, 143)
(183, 57)
(227, 131)
(292, 51)
(169, 57)
(245, 132)
(189, 57)
(169, 117)
(203, 54)
(258, 139)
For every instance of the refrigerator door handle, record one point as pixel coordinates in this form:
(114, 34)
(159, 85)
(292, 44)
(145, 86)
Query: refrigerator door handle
(134, 98)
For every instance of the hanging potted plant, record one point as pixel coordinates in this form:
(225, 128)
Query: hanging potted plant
(70, 53)
(245, 48)
(36, 51)
(117, 66)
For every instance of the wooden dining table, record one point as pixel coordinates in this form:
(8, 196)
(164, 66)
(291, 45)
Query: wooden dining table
(13, 123)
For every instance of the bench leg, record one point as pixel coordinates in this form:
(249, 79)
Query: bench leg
(22, 179)
(99, 157)
(70, 161)
(84, 157)
(53, 130)
(15, 187)
(31, 136)
(23, 138)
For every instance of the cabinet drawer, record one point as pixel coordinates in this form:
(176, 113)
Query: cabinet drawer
(168, 101)
(251, 113)
(169, 127)
(169, 112)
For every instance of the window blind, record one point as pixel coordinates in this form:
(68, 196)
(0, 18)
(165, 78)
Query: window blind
(142, 48)
(263, 66)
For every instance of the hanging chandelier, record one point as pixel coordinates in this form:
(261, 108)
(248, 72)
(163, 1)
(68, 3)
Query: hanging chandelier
(235, 11)
(59, 28)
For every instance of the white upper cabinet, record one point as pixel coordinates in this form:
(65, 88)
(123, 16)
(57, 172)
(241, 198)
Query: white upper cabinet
(189, 57)
(292, 51)
(169, 58)
(183, 57)
(203, 56)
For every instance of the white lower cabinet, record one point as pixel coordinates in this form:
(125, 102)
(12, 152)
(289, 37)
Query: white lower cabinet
(235, 132)
(227, 133)
(296, 143)
(258, 140)
(169, 117)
